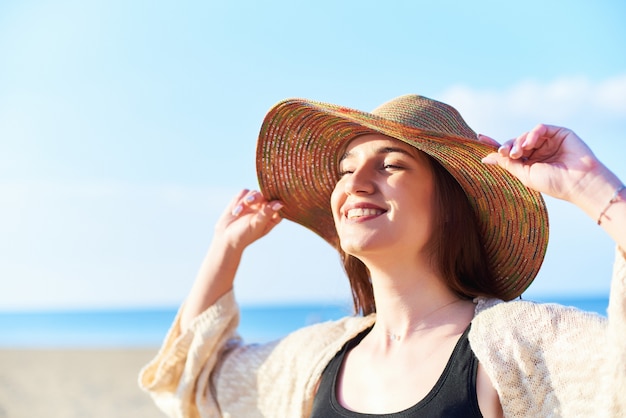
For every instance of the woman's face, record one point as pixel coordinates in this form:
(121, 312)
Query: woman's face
(383, 202)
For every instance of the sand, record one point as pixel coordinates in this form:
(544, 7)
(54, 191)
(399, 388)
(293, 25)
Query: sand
(74, 383)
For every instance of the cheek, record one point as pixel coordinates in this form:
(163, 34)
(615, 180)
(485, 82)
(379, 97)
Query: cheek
(336, 200)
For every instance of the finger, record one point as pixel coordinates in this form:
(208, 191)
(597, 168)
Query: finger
(247, 201)
(235, 207)
(548, 130)
(267, 217)
(488, 140)
(517, 167)
(275, 219)
(252, 197)
(517, 149)
(505, 148)
(276, 205)
(270, 209)
(531, 141)
(540, 134)
(492, 159)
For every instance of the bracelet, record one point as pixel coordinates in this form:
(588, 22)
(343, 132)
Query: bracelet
(614, 199)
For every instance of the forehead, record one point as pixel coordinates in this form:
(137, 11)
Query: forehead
(379, 144)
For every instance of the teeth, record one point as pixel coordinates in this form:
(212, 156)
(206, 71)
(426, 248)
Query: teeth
(358, 212)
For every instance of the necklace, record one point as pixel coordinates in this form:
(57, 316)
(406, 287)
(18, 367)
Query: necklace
(397, 337)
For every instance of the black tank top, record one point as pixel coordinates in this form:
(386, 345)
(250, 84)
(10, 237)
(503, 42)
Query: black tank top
(454, 394)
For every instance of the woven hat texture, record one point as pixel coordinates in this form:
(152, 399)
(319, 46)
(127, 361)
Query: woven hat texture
(301, 142)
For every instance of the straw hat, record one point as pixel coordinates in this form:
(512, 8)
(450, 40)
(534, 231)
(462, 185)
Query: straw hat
(301, 141)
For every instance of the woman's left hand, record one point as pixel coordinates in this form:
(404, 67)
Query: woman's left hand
(551, 160)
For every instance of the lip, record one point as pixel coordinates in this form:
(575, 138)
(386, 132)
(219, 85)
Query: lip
(361, 211)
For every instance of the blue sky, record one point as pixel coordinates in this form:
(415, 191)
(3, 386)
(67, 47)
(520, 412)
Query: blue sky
(126, 126)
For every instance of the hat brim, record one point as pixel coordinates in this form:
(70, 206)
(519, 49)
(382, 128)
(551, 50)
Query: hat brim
(298, 152)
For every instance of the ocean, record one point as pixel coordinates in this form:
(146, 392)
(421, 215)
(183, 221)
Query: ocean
(147, 327)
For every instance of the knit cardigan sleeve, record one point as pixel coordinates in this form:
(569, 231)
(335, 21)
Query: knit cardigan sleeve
(547, 360)
(207, 371)
(178, 377)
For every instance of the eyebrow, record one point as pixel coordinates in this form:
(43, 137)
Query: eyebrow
(382, 150)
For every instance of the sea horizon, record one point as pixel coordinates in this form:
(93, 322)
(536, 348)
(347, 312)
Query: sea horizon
(145, 327)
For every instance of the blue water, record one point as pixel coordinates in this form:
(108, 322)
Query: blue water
(146, 328)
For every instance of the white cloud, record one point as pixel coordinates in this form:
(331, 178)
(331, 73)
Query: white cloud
(594, 110)
(568, 101)
(611, 96)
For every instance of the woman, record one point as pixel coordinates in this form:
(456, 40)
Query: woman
(436, 229)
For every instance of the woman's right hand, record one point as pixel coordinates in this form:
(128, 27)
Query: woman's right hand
(248, 217)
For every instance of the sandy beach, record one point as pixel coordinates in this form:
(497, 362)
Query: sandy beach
(74, 383)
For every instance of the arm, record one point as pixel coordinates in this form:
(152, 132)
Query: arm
(555, 161)
(178, 378)
(248, 218)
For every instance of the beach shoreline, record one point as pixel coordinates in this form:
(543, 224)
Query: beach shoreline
(73, 383)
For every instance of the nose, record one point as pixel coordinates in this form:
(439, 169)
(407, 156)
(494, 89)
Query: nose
(360, 181)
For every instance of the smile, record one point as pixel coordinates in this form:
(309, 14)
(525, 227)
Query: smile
(361, 212)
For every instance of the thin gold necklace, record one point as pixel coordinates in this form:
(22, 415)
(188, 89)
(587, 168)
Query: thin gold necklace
(397, 337)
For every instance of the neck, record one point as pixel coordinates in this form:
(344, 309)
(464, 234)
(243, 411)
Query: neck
(410, 301)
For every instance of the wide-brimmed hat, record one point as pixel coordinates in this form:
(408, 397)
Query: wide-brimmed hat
(301, 142)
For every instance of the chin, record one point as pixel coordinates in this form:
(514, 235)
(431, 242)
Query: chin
(359, 247)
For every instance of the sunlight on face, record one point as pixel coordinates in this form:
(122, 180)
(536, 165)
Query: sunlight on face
(382, 203)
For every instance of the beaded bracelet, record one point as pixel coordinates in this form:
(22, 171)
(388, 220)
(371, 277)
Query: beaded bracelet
(614, 199)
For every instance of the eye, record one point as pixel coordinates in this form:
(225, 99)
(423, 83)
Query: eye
(344, 172)
(392, 167)
(345, 169)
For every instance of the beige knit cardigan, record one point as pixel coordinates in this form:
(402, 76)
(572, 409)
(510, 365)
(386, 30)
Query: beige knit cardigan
(544, 360)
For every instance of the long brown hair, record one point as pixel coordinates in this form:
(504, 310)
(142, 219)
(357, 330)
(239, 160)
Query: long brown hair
(456, 247)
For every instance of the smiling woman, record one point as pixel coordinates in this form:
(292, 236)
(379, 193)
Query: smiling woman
(439, 230)
(375, 163)
(452, 242)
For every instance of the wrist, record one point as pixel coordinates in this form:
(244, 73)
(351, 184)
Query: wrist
(616, 197)
(595, 192)
(224, 250)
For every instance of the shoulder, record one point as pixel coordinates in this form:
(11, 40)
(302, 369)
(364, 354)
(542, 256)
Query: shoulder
(526, 313)
(525, 331)
(522, 341)
(537, 354)
(303, 352)
(529, 320)
(285, 373)
(325, 337)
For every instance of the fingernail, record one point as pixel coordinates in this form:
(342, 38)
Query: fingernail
(489, 160)
(237, 210)
(250, 198)
(277, 206)
(514, 149)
